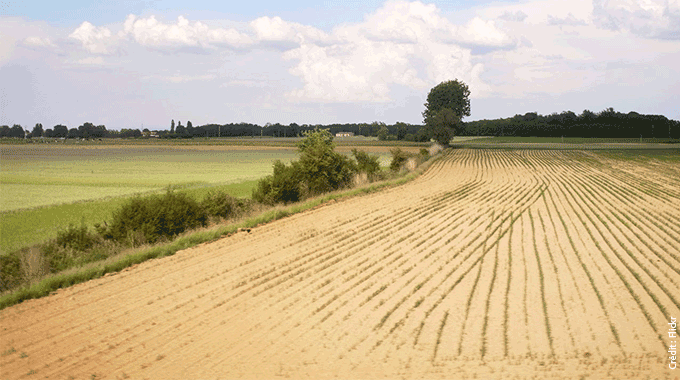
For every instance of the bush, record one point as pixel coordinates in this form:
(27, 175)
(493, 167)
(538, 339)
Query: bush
(68, 247)
(399, 158)
(366, 163)
(10, 271)
(284, 186)
(222, 205)
(323, 169)
(319, 170)
(149, 219)
(77, 238)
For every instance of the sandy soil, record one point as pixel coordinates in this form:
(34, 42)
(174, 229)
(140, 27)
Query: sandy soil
(493, 264)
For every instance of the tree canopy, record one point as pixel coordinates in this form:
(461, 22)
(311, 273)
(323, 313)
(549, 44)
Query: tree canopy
(447, 104)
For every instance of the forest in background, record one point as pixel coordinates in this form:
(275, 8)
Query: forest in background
(607, 123)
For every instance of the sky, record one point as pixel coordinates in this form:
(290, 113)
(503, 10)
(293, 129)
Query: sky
(141, 64)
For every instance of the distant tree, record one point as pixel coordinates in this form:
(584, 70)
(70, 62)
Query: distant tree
(447, 104)
(60, 131)
(402, 129)
(189, 125)
(49, 133)
(172, 126)
(180, 130)
(73, 133)
(37, 131)
(4, 130)
(17, 131)
(383, 133)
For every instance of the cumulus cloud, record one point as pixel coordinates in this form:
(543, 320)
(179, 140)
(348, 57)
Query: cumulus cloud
(275, 29)
(570, 20)
(517, 16)
(478, 33)
(402, 43)
(645, 18)
(95, 39)
(153, 33)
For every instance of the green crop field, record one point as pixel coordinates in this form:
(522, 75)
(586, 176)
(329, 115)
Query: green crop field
(46, 187)
(42, 175)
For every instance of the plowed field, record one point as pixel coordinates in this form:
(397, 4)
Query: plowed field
(492, 264)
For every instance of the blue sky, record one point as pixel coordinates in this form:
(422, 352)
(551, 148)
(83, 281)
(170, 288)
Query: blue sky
(128, 63)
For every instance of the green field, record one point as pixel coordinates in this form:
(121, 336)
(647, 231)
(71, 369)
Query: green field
(46, 187)
(41, 175)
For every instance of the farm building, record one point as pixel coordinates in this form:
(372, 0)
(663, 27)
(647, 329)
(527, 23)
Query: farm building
(344, 134)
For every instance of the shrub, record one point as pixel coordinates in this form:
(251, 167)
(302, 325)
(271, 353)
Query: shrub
(399, 158)
(366, 163)
(10, 271)
(284, 186)
(319, 170)
(152, 218)
(77, 238)
(322, 168)
(222, 205)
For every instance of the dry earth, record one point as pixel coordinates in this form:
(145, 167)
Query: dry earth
(492, 264)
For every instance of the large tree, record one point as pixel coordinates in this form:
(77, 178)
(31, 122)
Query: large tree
(37, 130)
(17, 131)
(447, 104)
(60, 131)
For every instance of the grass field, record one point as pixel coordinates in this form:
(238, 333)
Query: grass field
(493, 264)
(46, 187)
(39, 174)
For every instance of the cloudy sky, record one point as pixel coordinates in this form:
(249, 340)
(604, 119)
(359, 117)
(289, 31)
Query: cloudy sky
(127, 63)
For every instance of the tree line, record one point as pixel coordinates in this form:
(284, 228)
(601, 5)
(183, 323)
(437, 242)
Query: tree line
(607, 123)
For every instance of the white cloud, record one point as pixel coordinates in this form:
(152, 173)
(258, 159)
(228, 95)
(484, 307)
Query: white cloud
(646, 18)
(517, 16)
(570, 20)
(277, 30)
(91, 61)
(480, 33)
(177, 78)
(94, 39)
(38, 42)
(403, 43)
(153, 33)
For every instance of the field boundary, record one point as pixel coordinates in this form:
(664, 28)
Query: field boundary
(53, 282)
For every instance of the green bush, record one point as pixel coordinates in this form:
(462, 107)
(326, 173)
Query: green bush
(149, 219)
(76, 238)
(366, 163)
(399, 158)
(219, 204)
(323, 169)
(70, 247)
(319, 170)
(10, 271)
(284, 186)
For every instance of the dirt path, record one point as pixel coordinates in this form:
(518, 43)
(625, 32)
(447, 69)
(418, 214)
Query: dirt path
(493, 264)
